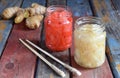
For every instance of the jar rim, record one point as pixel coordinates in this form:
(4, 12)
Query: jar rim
(90, 20)
(52, 8)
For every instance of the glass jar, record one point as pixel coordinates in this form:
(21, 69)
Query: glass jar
(58, 28)
(89, 42)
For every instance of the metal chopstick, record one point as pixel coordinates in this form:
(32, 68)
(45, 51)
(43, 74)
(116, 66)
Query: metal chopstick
(72, 69)
(57, 70)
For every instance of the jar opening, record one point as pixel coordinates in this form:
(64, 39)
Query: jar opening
(64, 11)
(96, 23)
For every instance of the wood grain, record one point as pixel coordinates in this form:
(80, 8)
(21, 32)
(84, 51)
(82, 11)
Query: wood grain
(17, 61)
(116, 5)
(109, 10)
(80, 7)
(6, 25)
(27, 3)
(56, 2)
(5, 28)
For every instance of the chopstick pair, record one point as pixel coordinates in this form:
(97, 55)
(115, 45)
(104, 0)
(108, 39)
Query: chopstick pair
(58, 71)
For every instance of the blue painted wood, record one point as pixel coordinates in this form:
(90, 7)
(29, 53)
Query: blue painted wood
(113, 60)
(80, 7)
(116, 5)
(113, 38)
(4, 33)
(9, 3)
(27, 3)
(56, 2)
(113, 44)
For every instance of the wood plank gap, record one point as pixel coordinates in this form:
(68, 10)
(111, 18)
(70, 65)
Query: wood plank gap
(111, 62)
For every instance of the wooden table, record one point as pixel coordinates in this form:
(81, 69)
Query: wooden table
(16, 61)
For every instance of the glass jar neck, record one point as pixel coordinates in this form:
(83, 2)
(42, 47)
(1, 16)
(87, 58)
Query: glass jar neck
(94, 22)
(60, 9)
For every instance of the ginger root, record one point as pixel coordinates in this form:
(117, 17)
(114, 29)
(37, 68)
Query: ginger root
(33, 22)
(36, 9)
(21, 14)
(10, 12)
(33, 15)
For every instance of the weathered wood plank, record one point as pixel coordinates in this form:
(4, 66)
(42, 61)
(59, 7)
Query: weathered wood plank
(112, 63)
(27, 3)
(6, 26)
(17, 61)
(56, 2)
(80, 7)
(43, 71)
(100, 72)
(108, 9)
(116, 5)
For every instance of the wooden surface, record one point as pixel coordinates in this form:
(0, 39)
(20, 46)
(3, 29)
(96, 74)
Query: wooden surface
(110, 14)
(56, 2)
(18, 62)
(80, 7)
(6, 26)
